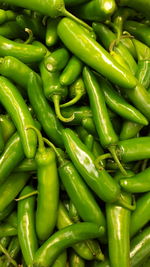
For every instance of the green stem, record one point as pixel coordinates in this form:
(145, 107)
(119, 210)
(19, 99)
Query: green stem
(56, 100)
(59, 156)
(35, 192)
(41, 147)
(13, 262)
(72, 101)
(114, 155)
(30, 37)
(124, 204)
(81, 22)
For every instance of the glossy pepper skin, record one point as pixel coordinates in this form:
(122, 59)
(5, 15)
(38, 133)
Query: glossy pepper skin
(26, 226)
(51, 37)
(15, 105)
(93, 54)
(63, 239)
(7, 127)
(75, 260)
(138, 5)
(43, 111)
(61, 260)
(99, 181)
(129, 130)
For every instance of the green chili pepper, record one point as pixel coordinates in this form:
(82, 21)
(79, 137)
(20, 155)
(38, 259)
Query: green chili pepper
(7, 211)
(7, 127)
(11, 30)
(43, 111)
(4, 241)
(61, 260)
(138, 5)
(6, 15)
(85, 249)
(143, 51)
(143, 73)
(134, 149)
(76, 91)
(71, 71)
(16, 107)
(7, 230)
(13, 250)
(64, 238)
(140, 217)
(27, 165)
(25, 52)
(48, 189)
(26, 227)
(93, 54)
(51, 37)
(54, 9)
(119, 105)
(118, 223)
(12, 219)
(107, 135)
(75, 260)
(73, 213)
(95, 10)
(119, 59)
(57, 60)
(11, 187)
(139, 30)
(140, 247)
(129, 130)
(137, 183)
(78, 112)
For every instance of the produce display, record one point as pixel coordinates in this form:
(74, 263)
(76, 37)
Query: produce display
(74, 133)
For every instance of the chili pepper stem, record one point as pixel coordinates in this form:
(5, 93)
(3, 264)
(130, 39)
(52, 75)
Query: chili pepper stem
(56, 100)
(72, 101)
(35, 192)
(60, 159)
(13, 262)
(71, 16)
(41, 147)
(30, 37)
(100, 158)
(114, 155)
(124, 204)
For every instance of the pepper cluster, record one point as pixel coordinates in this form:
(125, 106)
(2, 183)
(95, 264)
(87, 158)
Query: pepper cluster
(74, 133)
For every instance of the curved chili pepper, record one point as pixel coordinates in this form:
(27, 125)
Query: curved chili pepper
(95, 10)
(138, 183)
(134, 149)
(26, 228)
(93, 54)
(129, 130)
(16, 107)
(25, 52)
(71, 71)
(11, 187)
(43, 111)
(51, 37)
(54, 9)
(48, 189)
(140, 216)
(107, 135)
(75, 260)
(85, 249)
(76, 91)
(49, 251)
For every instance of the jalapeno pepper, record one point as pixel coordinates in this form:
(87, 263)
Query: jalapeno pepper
(51, 37)
(129, 130)
(11, 30)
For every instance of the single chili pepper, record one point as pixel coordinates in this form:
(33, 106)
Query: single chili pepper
(71, 72)
(143, 73)
(64, 238)
(26, 228)
(76, 92)
(138, 5)
(27, 165)
(118, 223)
(51, 37)
(139, 30)
(48, 189)
(61, 260)
(11, 30)
(7, 230)
(7, 127)
(54, 9)
(140, 217)
(11, 187)
(25, 52)
(95, 10)
(32, 23)
(98, 180)
(93, 54)
(107, 135)
(119, 105)
(129, 130)
(7, 211)
(75, 2)
(108, 39)
(13, 250)
(57, 60)
(75, 260)
(43, 111)
(88, 249)
(13, 154)
(134, 149)
(7, 15)
(138, 183)
(16, 107)
(140, 247)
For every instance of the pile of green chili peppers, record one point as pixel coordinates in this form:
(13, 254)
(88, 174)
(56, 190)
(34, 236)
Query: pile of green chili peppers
(74, 133)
